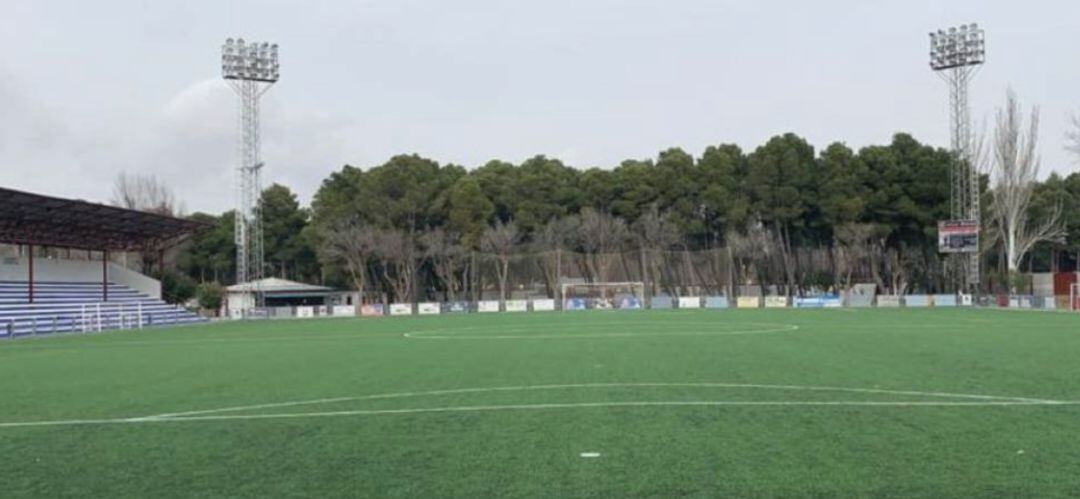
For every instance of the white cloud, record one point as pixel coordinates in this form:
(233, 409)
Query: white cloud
(38, 150)
(189, 143)
(590, 82)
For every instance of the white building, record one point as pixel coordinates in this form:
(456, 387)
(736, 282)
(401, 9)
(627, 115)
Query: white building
(282, 293)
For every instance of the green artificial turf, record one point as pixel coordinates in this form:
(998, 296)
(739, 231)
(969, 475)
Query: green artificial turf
(645, 393)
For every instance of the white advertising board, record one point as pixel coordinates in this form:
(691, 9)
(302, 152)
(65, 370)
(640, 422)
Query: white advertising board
(776, 302)
(517, 305)
(689, 302)
(543, 305)
(888, 301)
(344, 310)
(748, 302)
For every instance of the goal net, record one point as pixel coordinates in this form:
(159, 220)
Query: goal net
(602, 295)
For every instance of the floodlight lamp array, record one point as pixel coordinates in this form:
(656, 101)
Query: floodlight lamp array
(957, 47)
(255, 61)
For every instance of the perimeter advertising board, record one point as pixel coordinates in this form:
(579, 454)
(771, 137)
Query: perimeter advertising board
(574, 304)
(343, 310)
(517, 306)
(372, 310)
(776, 302)
(543, 305)
(888, 301)
(629, 303)
(689, 302)
(748, 302)
(455, 307)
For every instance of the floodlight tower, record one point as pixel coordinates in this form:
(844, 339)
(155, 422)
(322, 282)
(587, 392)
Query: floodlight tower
(955, 55)
(251, 69)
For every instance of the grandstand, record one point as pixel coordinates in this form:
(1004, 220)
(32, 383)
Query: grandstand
(55, 295)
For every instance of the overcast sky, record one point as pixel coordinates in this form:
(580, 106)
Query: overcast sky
(90, 89)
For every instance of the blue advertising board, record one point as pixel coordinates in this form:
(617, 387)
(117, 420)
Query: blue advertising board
(575, 304)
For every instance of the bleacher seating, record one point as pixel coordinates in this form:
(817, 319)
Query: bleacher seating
(61, 307)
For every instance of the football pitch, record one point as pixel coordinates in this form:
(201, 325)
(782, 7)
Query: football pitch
(825, 403)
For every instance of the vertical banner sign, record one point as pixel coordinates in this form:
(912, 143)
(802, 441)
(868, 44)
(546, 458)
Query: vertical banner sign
(958, 236)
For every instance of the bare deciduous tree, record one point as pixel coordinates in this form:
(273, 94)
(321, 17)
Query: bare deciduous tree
(751, 253)
(397, 252)
(352, 243)
(147, 193)
(656, 234)
(144, 193)
(854, 243)
(555, 236)
(1072, 137)
(446, 254)
(601, 236)
(1014, 172)
(501, 239)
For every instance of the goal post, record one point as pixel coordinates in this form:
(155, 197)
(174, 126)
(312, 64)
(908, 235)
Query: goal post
(1074, 297)
(97, 317)
(602, 295)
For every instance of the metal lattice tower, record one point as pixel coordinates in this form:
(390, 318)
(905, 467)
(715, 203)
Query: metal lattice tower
(955, 55)
(251, 69)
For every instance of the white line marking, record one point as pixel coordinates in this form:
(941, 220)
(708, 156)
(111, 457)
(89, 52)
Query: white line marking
(304, 337)
(252, 407)
(512, 407)
(457, 391)
(597, 454)
(976, 400)
(424, 335)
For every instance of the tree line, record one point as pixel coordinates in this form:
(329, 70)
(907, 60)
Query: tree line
(783, 215)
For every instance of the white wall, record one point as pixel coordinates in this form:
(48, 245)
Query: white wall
(53, 269)
(237, 302)
(134, 280)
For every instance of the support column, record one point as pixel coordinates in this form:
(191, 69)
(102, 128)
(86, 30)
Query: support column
(559, 298)
(30, 273)
(104, 275)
